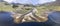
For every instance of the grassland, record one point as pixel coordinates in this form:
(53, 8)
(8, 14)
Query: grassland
(40, 8)
(5, 7)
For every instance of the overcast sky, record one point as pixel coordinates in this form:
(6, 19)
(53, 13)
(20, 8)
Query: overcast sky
(34, 2)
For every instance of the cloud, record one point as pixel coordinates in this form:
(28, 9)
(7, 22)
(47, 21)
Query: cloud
(9, 1)
(34, 2)
(45, 1)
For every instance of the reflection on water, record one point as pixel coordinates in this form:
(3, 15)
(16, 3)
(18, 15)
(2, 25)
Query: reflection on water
(32, 24)
(6, 20)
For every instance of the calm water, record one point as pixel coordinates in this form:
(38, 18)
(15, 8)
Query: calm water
(6, 20)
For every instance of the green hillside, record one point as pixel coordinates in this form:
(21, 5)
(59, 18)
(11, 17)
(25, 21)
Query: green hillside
(41, 9)
(5, 7)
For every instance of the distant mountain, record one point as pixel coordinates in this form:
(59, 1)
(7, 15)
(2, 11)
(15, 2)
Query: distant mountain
(1, 0)
(56, 3)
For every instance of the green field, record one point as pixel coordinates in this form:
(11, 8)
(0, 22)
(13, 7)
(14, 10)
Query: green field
(40, 8)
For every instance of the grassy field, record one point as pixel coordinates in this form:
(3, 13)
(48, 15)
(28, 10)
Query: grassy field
(40, 9)
(5, 7)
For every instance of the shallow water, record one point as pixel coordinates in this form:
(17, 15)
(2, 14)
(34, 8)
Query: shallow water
(6, 20)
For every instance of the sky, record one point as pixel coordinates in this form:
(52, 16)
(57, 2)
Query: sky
(34, 2)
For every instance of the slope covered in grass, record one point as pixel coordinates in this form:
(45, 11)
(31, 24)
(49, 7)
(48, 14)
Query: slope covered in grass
(4, 7)
(40, 9)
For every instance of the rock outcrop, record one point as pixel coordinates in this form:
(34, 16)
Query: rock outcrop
(30, 16)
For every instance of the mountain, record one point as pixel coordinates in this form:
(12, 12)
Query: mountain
(1, 0)
(56, 3)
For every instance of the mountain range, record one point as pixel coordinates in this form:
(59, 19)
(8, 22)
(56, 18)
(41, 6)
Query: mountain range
(56, 3)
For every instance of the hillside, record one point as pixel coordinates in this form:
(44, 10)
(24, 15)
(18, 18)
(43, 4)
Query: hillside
(55, 3)
(5, 7)
(41, 8)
